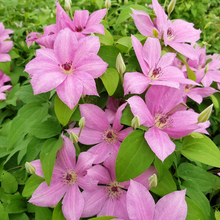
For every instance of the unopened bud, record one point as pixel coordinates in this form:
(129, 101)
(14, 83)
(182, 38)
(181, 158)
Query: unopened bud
(171, 6)
(155, 32)
(135, 122)
(82, 122)
(152, 181)
(107, 4)
(67, 5)
(73, 137)
(205, 114)
(30, 168)
(120, 65)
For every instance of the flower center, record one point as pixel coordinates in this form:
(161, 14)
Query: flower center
(155, 73)
(79, 29)
(67, 68)
(110, 136)
(115, 189)
(170, 34)
(162, 121)
(51, 33)
(70, 177)
(187, 88)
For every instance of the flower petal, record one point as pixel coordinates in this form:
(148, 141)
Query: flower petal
(80, 18)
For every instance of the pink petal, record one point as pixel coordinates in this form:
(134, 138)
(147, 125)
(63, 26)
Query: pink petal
(135, 83)
(88, 136)
(6, 46)
(70, 91)
(138, 51)
(159, 142)
(166, 60)
(117, 120)
(94, 201)
(80, 18)
(38, 168)
(65, 46)
(98, 28)
(152, 52)
(143, 22)
(4, 57)
(95, 117)
(46, 195)
(87, 183)
(66, 155)
(96, 17)
(73, 203)
(139, 108)
(124, 133)
(164, 207)
(140, 203)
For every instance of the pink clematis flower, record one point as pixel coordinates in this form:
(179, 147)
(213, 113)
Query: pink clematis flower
(70, 68)
(4, 33)
(157, 70)
(109, 197)
(141, 205)
(66, 179)
(3, 78)
(98, 131)
(2, 89)
(5, 47)
(162, 112)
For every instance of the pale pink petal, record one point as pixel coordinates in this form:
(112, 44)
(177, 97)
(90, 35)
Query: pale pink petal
(95, 117)
(94, 201)
(46, 195)
(73, 203)
(151, 52)
(165, 207)
(183, 123)
(117, 120)
(135, 83)
(164, 82)
(139, 108)
(140, 203)
(65, 46)
(110, 115)
(2, 96)
(66, 155)
(84, 162)
(143, 22)
(138, 51)
(4, 88)
(159, 142)
(89, 64)
(97, 28)
(47, 41)
(80, 18)
(211, 76)
(70, 91)
(88, 82)
(87, 183)
(6, 46)
(124, 133)
(38, 168)
(96, 17)
(166, 60)
(88, 136)
(4, 57)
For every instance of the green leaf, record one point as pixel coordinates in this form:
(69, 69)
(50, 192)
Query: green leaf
(127, 116)
(99, 3)
(5, 67)
(13, 54)
(17, 204)
(110, 80)
(20, 216)
(198, 197)
(57, 212)
(27, 116)
(63, 112)
(104, 218)
(48, 156)
(31, 185)
(193, 211)
(4, 214)
(217, 215)
(26, 94)
(42, 213)
(125, 13)
(216, 101)
(9, 183)
(201, 149)
(109, 55)
(106, 39)
(46, 129)
(203, 179)
(166, 184)
(134, 156)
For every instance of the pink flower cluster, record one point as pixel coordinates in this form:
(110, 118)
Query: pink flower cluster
(68, 62)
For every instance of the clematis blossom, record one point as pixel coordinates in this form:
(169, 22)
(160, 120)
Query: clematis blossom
(4, 33)
(98, 131)
(70, 67)
(157, 70)
(141, 205)
(67, 177)
(163, 113)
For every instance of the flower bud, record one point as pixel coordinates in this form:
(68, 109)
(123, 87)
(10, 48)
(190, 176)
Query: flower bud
(107, 4)
(152, 181)
(73, 137)
(171, 6)
(120, 65)
(135, 122)
(155, 32)
(30, 168)
(82, 122)
(205, 114)
(67, 5)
